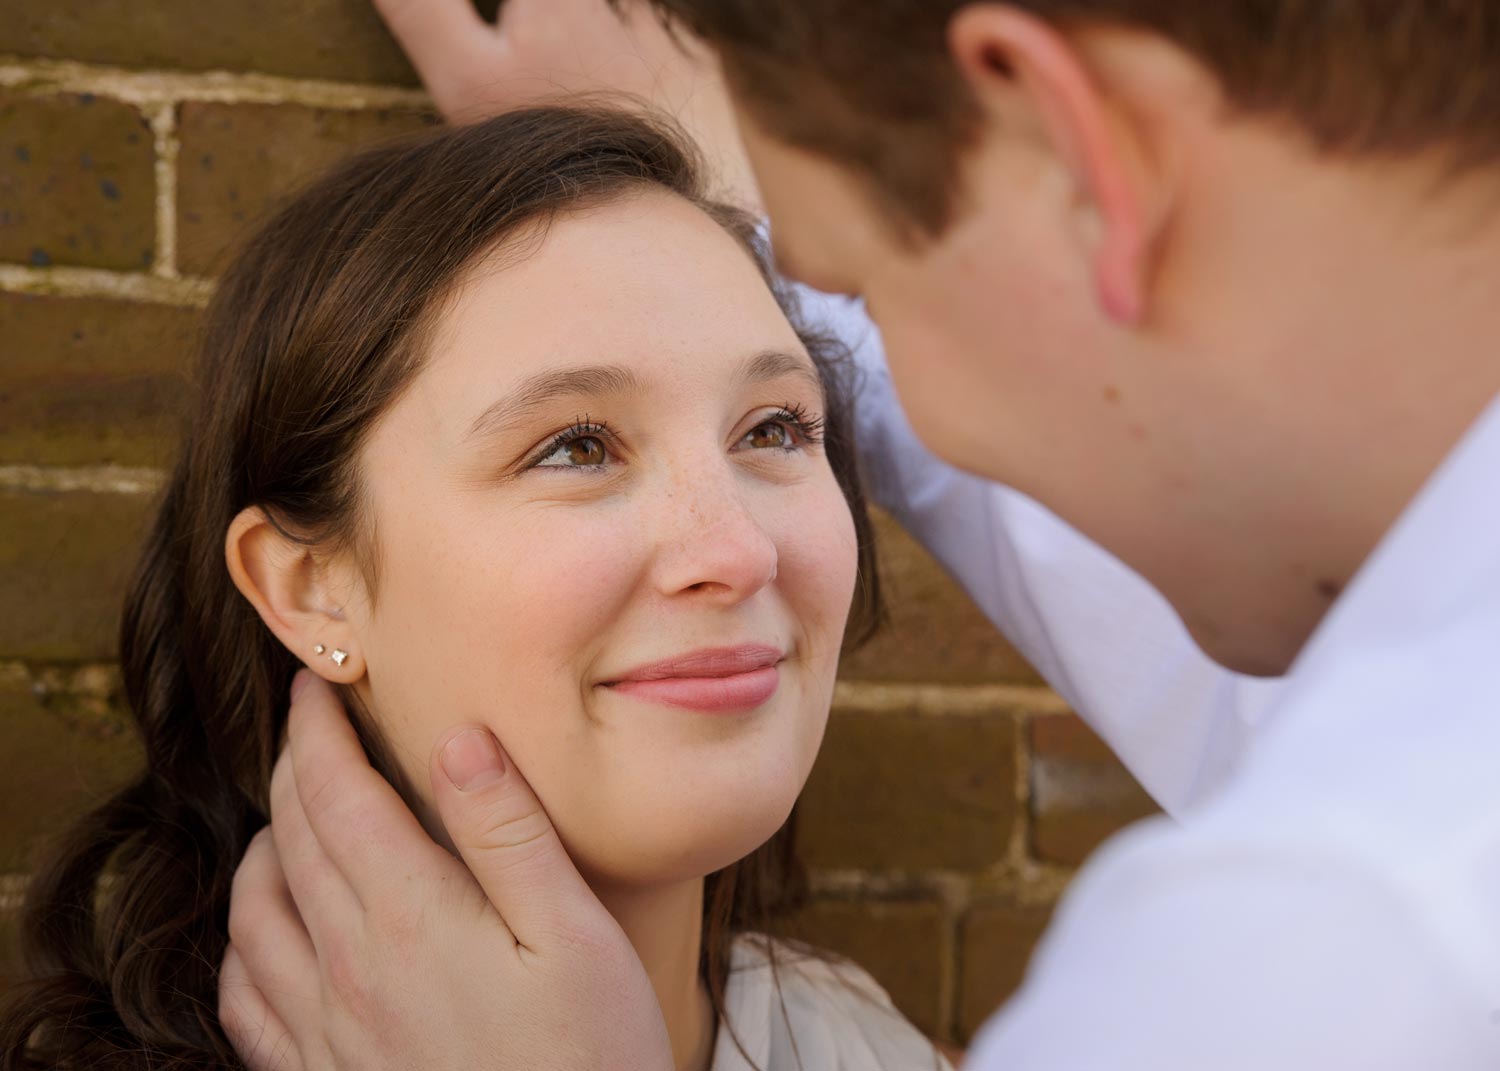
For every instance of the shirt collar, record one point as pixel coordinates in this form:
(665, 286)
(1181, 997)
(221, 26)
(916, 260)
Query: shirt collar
(1438, 566)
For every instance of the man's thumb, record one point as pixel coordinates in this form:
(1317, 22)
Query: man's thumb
(505, 837)
(471, 759)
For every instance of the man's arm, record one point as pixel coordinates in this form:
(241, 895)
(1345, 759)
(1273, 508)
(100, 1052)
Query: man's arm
(1183, 950)
(614, 52)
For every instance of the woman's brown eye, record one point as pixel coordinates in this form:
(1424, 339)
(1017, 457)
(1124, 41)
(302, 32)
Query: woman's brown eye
(586, 451)
(769, 435)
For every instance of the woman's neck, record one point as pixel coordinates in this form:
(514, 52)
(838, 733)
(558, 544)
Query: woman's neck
(665, 924)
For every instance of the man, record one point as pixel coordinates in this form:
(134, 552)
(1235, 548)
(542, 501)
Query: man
(1214, 284)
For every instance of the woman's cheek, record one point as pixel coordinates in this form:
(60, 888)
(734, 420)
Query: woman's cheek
(564, 569)
(478, 608)
(537, 605)
(818, 558)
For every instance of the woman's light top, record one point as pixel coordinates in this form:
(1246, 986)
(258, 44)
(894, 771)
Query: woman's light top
(794, 1011)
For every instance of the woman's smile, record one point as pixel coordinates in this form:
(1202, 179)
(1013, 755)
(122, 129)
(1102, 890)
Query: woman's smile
(609, 487)
(714, 680)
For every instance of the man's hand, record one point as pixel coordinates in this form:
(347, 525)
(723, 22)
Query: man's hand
(356, 942)
(544, 51)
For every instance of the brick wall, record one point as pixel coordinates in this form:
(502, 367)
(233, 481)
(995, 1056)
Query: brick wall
(955, 795)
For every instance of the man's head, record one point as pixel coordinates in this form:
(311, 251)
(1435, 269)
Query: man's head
(1206, 279)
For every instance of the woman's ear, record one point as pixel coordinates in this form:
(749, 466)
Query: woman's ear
(301, 600)
(1029, 79)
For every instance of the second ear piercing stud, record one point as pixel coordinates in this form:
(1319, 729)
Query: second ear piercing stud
(338, 656)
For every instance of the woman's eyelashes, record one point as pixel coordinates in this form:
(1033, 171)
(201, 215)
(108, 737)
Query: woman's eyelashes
(584, 444)
(589, 445)
(791, 427)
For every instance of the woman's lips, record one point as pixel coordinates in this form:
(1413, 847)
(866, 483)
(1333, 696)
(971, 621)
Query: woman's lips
(716, 680)
(714, 695)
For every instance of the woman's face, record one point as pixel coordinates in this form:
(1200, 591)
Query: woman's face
(608, 472)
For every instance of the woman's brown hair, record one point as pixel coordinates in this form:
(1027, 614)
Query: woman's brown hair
(315, 330)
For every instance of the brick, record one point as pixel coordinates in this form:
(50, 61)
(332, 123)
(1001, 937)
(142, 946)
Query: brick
(77, 182)
(936, 634)
(64, 562)
(909, 792)
(902, 945)
(1080, 794)
(90, 381)
(995, 945)
(238, 160)
(56, 763)
(334, 39)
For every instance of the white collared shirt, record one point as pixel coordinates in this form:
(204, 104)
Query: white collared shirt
(1328, 896)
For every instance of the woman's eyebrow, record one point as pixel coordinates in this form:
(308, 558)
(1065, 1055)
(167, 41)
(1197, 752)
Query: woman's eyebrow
(547, 387)
(776, 364)
(592, 381)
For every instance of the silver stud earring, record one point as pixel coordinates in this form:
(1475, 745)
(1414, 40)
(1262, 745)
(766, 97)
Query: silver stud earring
(338, 656)
(319, 649)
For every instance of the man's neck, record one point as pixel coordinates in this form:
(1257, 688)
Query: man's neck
(665, 924)
(1337, 346)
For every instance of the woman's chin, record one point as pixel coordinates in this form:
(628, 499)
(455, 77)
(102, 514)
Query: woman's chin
(691, 846)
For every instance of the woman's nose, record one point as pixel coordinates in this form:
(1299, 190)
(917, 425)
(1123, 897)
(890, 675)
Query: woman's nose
(713, 544)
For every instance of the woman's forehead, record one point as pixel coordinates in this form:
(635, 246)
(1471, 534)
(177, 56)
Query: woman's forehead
(647, 282)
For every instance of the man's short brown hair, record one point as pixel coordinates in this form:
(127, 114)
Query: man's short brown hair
(869, 82)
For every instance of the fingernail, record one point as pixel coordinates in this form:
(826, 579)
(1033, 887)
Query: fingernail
(300, 683)
(472, 760)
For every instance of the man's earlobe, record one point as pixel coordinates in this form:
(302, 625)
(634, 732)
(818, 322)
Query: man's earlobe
(1039, 82)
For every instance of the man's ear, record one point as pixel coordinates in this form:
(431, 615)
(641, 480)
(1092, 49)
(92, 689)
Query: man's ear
(1027, 77)
(298, 598)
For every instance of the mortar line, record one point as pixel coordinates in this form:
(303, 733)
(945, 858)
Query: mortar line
(1036, 883)
(1018, 853)
(948, 979)
(885, 697)
(164, 130)
(100, 479)
(12, 891)
(70, 678)
(186, 291)
(150, 88)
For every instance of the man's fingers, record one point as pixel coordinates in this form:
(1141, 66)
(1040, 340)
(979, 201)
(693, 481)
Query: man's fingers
(446, 40)
(271, 943)
(251, 1024)
(319, 889)
(508, 842)
(359, 820)
(433, 33)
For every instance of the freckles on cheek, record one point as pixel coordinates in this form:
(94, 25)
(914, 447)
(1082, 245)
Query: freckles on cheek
(546, 583)
(572, 553)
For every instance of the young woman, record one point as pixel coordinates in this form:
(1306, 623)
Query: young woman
(510, 418)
